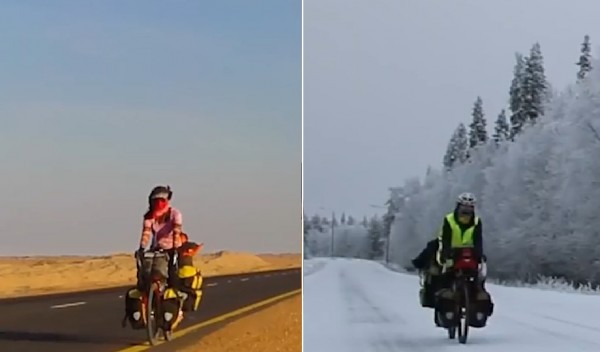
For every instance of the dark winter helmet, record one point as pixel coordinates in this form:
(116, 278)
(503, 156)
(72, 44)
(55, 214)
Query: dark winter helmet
(163, 192)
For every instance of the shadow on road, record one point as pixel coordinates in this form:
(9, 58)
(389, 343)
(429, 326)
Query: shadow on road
(60, 337)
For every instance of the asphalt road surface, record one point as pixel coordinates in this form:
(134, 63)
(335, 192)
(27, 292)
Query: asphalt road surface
(91, 321)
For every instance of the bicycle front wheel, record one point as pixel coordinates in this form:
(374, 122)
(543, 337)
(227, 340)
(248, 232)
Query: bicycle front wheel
(151, 314)
(465, 313)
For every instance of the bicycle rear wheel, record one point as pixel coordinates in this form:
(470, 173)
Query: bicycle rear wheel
(452, 332)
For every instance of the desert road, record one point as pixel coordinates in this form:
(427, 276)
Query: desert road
(91, 321)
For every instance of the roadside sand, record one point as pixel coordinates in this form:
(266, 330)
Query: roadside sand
(41, 275)
(277, 328)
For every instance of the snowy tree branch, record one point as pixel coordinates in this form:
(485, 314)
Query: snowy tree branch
(593, 130)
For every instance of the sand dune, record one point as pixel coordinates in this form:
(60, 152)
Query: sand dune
(40, 275)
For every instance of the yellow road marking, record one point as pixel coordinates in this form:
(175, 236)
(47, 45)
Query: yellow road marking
(145, 346)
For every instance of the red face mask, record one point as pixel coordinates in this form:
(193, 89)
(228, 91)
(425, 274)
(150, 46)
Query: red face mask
(159, 205)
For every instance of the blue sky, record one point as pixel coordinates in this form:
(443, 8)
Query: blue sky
(101, 100)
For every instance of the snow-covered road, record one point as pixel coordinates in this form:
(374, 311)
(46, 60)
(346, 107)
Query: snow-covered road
(353, 305)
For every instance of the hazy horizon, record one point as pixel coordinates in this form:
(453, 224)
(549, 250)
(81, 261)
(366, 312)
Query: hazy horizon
(103, 101)
(386, 85)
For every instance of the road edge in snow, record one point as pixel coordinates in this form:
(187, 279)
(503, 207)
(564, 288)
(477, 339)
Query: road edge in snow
(544, 283)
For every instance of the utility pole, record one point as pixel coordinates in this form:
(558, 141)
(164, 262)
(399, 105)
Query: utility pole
(387, 248)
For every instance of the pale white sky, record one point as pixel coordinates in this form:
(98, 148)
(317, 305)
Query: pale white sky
(386, 82)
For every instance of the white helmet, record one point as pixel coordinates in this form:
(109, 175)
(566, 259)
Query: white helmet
(467, 199)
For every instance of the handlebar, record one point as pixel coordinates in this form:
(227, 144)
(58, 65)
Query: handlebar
(155, 254)
(152, 253)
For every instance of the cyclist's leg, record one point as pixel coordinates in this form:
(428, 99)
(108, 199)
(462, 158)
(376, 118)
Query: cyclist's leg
(174, 283)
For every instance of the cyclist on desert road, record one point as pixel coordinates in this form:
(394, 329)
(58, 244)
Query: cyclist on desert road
(161, 230)
(163, 225)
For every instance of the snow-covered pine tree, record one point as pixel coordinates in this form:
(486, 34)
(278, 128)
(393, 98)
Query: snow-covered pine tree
(462, 144)
(316, 222)
(305, 223)
(375, 233)
(450, 158)
(585, 60)
(478, 133)
(343, 219)
(334, 220)
(306, 228)
(351, 221)
(456, 152)
(534, 85)
(517, 117)
(502, 129)
(365, 222)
